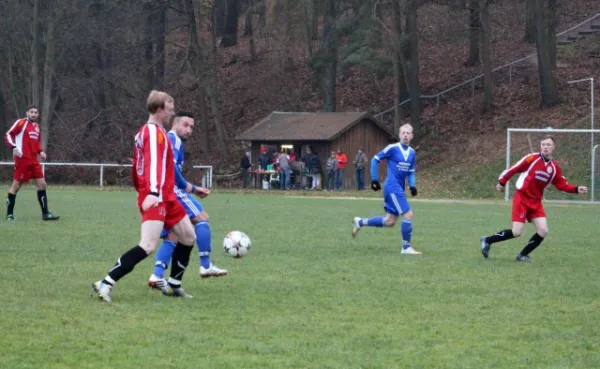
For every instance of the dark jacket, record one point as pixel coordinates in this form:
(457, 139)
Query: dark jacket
(245, 162)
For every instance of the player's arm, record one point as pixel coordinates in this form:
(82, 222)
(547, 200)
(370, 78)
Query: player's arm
(561, 183)
(383, 154)
(153, 143)
(11, 134)
(412, 180)
(519, 167)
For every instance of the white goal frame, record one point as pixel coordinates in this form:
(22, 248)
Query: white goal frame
(549, 130)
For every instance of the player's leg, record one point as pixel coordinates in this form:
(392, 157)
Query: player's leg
(40, 184)
(400, 203)
(162, 260)
(388, 221)
(150, 235)
(518, 217)
(11, 199)
(178, 220)
(538, 218)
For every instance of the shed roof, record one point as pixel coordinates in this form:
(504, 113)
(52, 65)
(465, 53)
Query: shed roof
(303, 126)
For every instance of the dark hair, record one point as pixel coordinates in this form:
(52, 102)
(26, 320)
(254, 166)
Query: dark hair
(184, 114)
(31, 107)
(548, 137)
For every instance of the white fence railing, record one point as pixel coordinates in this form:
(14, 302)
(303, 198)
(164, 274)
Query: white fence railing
(207, 177)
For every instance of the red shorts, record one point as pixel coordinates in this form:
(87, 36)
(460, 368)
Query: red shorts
(26, 169)
(526, 209)
(168, 212)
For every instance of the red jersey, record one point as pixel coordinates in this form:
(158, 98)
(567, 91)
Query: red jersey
(536, 174)
(153, 169)
(25, 135)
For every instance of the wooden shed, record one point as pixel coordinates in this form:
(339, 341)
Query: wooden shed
(323, 133)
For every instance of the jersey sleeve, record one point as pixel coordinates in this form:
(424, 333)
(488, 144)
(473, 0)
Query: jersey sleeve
(412, 181)
(519, 167)
(38, 144)
(16, 128)
(560, 182)
(385, 153)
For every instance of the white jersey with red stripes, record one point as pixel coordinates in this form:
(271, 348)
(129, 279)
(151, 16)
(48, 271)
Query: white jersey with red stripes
(536, 172)
(153, 169)
(25, 136)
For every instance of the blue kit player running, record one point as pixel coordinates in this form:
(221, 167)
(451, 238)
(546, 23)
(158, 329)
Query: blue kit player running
(401, 168)
(182, 127)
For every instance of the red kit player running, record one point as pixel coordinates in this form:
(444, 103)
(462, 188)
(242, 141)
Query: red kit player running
(24, 139)
(153, 174)
(537, 170)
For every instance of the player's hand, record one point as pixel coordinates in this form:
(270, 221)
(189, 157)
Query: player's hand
(149, 202)
(582, 189)
(375, 185)
(43, 155)
(202, 192)
(499, 187)
(413, 191)
(17, 153)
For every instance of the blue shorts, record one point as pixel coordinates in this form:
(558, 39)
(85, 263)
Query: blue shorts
(192, 207)
(395, 203)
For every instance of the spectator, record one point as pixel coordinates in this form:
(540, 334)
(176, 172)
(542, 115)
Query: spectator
(315, 170)
(332, 165)
(245, 166)
(342, 160)
(359, 162)
(284, 170)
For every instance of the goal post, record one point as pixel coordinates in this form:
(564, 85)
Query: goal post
(576, 150)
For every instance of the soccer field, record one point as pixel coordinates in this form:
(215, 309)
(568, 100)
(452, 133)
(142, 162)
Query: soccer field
(307, 295)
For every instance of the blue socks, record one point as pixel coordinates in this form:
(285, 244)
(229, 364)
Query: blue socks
(372, 222)
(406, 230)
(163, 258)
(203, 240)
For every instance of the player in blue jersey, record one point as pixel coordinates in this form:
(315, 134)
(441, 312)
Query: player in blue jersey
(183, 124)
(400, 169)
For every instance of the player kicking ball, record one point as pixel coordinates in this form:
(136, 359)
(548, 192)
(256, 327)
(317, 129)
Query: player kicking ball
(401, 160)
(537, 170)
(181, 130)
(153, 176)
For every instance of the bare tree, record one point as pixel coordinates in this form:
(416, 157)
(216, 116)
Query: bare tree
(36, 49)
(49, 65)
(488, 80)
(549, 94)
(231, 24)
(474, 31)
(401, 92)
(331, 50)
(530, 31)
(415, 87)
(552, 21)
(249, 31)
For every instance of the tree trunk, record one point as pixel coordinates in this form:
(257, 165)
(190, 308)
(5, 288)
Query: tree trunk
(415, 88)
(552, 21)
(250, 31)
(401, 92)
(16, 84)
(474, 30)
(330, 41)
(488, 81)
(35, 76)
(4, 126)
(213, 92)
(49, 63)
(314, 21)
(149, 47)
(308, 28)
(160, 30)
(530, 30)
(198, 66)
(549, 94)
(231, 24)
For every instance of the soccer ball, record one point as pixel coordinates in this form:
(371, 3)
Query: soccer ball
(237, 244)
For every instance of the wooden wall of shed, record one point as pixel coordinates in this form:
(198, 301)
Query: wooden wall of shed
(368, 137)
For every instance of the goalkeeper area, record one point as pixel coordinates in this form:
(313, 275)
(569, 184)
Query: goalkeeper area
(577, 151)
(308, 295)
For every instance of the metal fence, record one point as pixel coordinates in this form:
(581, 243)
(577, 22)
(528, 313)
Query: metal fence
(206, 179)
(504, 73)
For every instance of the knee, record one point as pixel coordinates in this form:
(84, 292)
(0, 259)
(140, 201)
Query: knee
(188, 237)
(202, 217)
(389, 221)
(542, 231)
(408, 215)
(517, 231)
(149, 247)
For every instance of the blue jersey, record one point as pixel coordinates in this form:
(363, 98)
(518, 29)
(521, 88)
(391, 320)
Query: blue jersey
(177, 143)
(401, 160)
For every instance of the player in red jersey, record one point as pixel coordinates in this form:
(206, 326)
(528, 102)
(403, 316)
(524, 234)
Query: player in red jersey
(153, 174)
(24, 139)
(537, 170)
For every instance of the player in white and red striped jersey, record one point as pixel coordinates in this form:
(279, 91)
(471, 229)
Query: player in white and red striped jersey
(24, 139)
(154, 180)
(537, 170)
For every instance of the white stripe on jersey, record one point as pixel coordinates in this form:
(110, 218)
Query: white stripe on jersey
(152, 138)
(163, 177)
(523, 175)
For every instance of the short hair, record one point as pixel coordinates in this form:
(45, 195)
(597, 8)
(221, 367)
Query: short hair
(407, 125)
(32, 106)
(549, 137)
(182, 114)
(157, 100)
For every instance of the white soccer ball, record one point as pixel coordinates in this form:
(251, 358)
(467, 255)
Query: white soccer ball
(237, 244)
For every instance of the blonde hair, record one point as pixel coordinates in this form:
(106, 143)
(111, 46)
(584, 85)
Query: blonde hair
(407, 126)
(157, 100)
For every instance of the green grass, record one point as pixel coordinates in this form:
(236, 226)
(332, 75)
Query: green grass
(307, 296)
